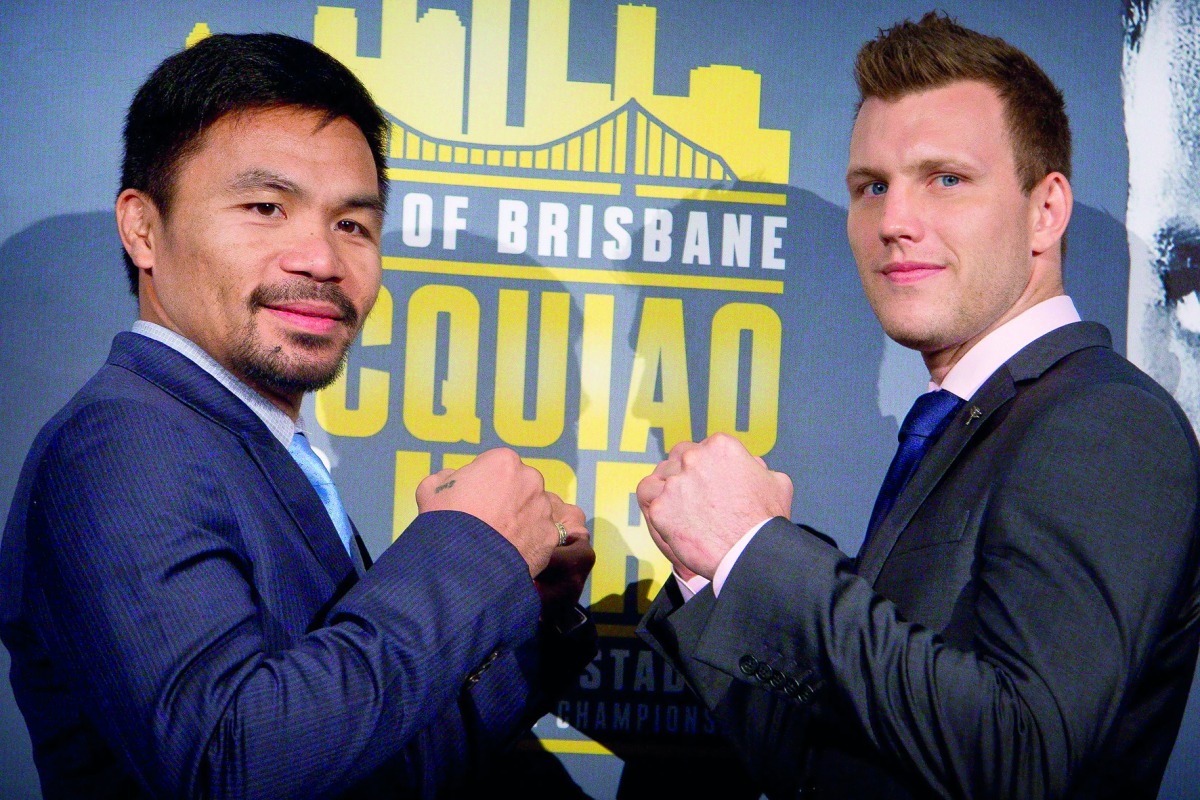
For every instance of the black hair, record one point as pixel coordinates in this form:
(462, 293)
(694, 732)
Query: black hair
(228, 73)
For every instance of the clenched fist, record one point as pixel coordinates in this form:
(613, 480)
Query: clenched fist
(498, 488)
(707, 495)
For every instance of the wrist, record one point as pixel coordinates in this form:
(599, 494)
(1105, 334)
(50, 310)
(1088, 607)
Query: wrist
(565, 619)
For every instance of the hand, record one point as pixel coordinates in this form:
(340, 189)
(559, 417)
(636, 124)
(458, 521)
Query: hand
(503, 492)
(705, 496)
(561, 583)
(661, 543)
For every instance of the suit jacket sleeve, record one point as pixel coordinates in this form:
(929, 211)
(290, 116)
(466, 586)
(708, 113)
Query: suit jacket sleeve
(1084, 558)
(148, 602)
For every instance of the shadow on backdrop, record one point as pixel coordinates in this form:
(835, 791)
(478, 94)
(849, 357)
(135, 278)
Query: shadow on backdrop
(66, 296)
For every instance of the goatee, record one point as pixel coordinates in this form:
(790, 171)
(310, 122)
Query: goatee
(284, 372)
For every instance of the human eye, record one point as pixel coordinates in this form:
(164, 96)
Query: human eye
(265, 209)
(353, 227)
(874, 189)
(948, 181)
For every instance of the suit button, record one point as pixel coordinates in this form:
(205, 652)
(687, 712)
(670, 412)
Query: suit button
(791, 687)
(778, 680)
(765, 672)
(748, 664)
(806, 693)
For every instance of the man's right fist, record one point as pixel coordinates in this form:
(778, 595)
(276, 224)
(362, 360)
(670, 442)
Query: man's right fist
(498, 488)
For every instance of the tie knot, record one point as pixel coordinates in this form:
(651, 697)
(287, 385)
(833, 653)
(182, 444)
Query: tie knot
(930, 414)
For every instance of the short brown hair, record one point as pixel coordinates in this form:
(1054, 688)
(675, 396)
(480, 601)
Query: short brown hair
(937, 51)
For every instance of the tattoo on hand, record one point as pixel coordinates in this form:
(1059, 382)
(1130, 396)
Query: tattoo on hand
(445, 485)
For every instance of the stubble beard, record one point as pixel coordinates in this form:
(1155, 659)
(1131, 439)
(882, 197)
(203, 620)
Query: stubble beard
(290, 373)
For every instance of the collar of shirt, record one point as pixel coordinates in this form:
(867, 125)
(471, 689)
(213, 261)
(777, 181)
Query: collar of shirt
(990, 353)
(278, 423)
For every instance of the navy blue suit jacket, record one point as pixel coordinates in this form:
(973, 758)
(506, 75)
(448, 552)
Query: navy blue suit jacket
(183, 619)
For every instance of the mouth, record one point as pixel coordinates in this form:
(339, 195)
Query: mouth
(313, 317)
(311, 309)
(907, 272)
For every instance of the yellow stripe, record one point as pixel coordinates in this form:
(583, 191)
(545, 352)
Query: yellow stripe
(717, 195)
(580, 746)
(502, 181)
(575, 275)
(617, 631)
(642, 748)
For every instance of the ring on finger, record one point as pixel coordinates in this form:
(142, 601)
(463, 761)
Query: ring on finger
(562, 534)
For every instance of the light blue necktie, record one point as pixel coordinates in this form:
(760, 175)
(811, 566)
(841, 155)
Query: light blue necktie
(322, 481)
(926, 420)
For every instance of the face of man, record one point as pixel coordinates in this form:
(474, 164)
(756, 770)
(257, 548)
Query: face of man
(269, 259)
(938, 223)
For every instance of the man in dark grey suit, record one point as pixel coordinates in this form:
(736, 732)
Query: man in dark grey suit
(1022, 619)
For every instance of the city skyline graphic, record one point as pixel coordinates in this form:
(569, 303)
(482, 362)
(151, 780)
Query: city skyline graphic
(449, 104)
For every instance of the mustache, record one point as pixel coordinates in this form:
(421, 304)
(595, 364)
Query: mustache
(279, 293)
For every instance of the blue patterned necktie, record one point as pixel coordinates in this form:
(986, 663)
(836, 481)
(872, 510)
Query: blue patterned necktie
(926, 420)
(322, 481)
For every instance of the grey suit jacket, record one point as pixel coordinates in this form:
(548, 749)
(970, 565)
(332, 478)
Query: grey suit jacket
(1023, 624)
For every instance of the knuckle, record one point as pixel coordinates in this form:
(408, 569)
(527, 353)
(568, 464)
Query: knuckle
(500, 458)
(537, 479)
(719, 440)
(644, 485)
(680, 447)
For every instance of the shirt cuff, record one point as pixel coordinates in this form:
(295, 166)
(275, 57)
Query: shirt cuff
(726, 565)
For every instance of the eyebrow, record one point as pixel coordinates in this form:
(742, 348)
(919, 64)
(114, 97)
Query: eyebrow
(255, 179)
(366, 202)
(928, 165)
(862, 173)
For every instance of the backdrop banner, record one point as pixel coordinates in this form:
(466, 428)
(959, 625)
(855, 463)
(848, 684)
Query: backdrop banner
(613, 227)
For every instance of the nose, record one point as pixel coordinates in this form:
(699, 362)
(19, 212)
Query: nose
(314, 255)
(901, 218)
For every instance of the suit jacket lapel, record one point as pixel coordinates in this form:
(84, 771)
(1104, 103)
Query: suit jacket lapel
(1000, 388)
(180, 377)
(301, 501)
(967, 423)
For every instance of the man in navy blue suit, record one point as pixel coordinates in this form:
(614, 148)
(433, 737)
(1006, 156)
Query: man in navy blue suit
(188, 608)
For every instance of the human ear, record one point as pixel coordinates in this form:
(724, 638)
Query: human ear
(138, 224)
(1050, 205)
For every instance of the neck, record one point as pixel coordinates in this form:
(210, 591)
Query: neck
(1045, 282)
(287, 403)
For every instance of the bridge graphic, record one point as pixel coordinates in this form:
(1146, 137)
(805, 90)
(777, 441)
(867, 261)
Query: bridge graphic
(629, 141)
